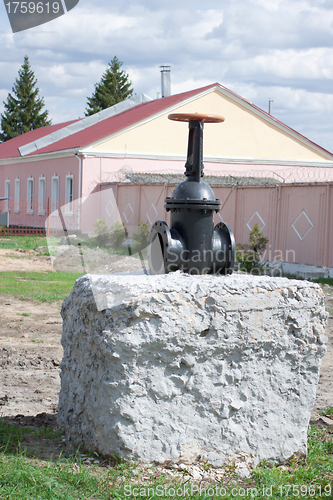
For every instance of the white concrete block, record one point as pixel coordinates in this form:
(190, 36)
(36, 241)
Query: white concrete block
(177, 367)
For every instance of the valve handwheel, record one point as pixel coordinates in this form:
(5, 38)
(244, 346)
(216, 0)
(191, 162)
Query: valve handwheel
(195, 117)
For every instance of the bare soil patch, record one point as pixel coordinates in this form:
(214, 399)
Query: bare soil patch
(69, 259)
(30, 333)
(88, 260)
(30, 356)
(23, 260)
(324, 396)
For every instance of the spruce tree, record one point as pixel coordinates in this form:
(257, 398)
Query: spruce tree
(114, 87)
(23, 107)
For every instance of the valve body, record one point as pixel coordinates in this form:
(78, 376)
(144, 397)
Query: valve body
(192, 243)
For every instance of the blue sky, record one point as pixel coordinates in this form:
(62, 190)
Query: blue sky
(260, 49)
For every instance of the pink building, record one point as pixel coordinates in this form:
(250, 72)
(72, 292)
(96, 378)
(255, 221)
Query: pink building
(66, 164)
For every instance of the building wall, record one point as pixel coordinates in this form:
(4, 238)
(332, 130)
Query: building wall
(34, 213)
(244, 134)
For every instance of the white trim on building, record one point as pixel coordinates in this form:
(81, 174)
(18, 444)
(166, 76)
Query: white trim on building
(17, 196)
(69, 194)
(30, 195)
(41, 195)
(7, 194)
(54, 195)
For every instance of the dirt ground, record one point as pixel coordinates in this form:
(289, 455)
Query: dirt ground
(30, 349)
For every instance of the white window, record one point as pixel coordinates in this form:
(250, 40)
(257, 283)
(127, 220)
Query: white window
(55, 194)
(7, 194)
(30, 195)
(41, 196)
(17, 196)
(69, 194)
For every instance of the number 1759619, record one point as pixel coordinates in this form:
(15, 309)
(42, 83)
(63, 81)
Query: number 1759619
(32, 7)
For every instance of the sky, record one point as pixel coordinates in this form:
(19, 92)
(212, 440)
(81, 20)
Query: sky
(260, 49)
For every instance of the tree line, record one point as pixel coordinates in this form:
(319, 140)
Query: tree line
(24, 108)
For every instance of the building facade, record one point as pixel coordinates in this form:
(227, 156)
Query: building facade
(52, 175)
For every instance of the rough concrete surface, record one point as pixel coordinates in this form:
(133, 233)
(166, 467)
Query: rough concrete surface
(180, 367)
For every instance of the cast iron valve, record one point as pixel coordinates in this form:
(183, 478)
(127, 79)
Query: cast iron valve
(192, 244)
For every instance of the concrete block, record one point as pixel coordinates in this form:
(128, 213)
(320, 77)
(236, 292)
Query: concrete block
(179, 367)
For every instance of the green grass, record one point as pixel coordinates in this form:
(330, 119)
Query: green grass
(27, 242)
(95, 243)
(310, 477)
(51, 244)
(42, 286)
(324, 281)
(22, 479)
(24, 475)
(327, 412)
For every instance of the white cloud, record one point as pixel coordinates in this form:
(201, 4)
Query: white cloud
(259, 49)
(288, 67)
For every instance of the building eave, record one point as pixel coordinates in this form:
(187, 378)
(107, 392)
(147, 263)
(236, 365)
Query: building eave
(40, 157)
(210, 159)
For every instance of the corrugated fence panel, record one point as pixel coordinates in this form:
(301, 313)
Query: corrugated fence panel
(255, 206)
(128, 200)
(301, 223)
(227, 196)
(152, 203)
(325, 244)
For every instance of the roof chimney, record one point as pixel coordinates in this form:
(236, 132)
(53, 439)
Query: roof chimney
(165, 80)
(270, 106)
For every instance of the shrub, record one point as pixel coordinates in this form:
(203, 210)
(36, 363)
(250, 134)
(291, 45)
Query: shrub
(248, 255)
(118, 234)
(141, 239)
(101, 232)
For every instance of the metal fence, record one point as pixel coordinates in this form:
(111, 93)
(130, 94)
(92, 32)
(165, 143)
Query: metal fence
(231, 175)
(29, 217)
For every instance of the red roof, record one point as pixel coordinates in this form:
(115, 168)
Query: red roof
(9, 149)
(118, 122)
(113, 124)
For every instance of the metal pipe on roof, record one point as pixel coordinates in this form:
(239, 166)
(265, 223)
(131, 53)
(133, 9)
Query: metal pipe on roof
(165, 80)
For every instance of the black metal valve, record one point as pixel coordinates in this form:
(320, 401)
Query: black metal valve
(192, 244)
